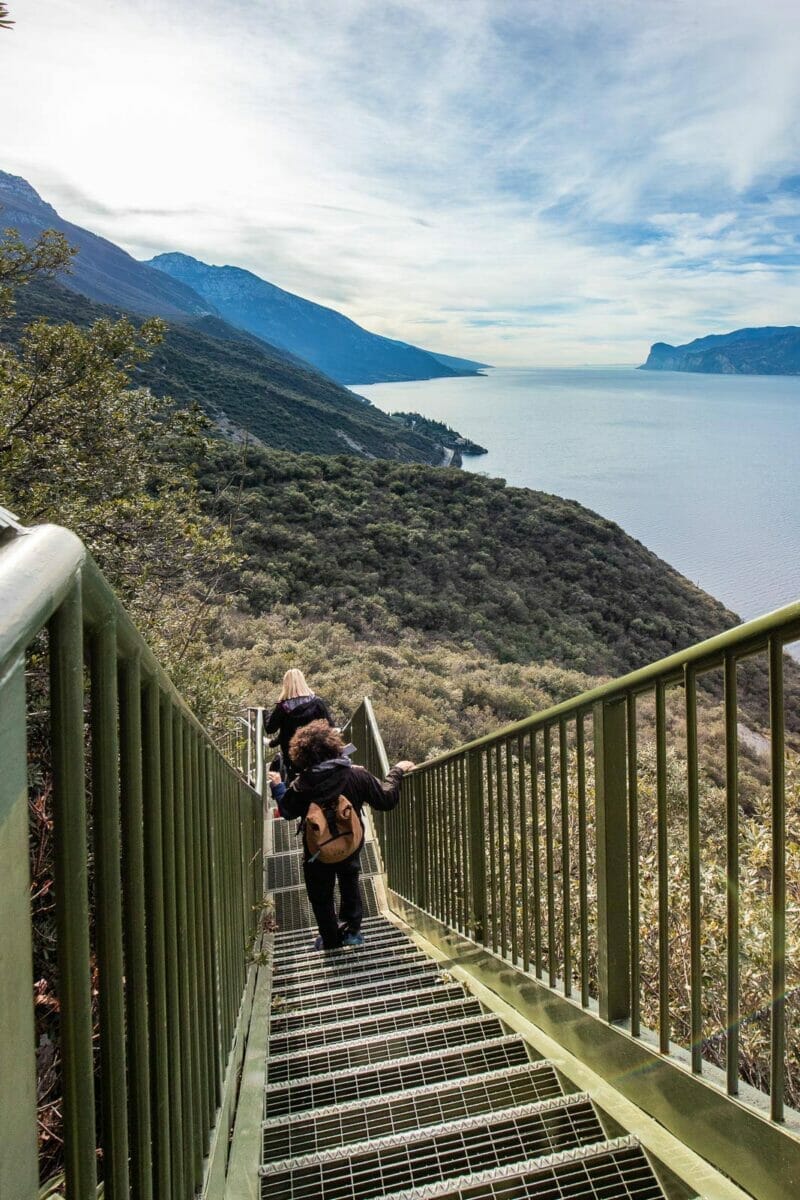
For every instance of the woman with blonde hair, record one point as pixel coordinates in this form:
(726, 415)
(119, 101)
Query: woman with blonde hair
(297, 706)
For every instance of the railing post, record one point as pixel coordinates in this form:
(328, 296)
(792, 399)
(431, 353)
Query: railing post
(612, 859)
(477, 853)
(19, 1163)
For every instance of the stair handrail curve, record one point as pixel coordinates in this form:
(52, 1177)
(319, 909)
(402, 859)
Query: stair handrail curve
(518, 852)
(176, 856)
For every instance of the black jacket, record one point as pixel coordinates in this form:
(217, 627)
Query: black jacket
(339, 777)
(290, 715)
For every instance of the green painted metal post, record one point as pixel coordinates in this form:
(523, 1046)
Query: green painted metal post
(108, 909)
(612, 860)
(777, 1083)
(171, 952)
(155, 905)
(477, 848)
(72, 898)
(19, 1163)
(135, 931)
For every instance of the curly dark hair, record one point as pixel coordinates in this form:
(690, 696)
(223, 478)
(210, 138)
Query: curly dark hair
(315, 743)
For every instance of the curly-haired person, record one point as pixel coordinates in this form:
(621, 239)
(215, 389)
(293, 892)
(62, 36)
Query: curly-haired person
(326, 779)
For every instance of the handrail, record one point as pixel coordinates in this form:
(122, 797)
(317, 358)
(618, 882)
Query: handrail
(524, 848)
(176, 854)
(742, 641)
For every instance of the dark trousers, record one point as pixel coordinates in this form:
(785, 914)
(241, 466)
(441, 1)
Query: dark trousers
(320, 880)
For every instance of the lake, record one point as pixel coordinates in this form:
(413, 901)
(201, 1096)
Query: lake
(703, 469)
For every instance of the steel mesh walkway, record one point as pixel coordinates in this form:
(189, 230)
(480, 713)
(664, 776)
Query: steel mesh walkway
(387, 1079)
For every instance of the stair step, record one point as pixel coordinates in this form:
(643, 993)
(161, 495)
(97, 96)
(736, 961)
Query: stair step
(330, 1034)
(457, 1149)
(367, 983)
(617, 1169)
(339, 1087)
(282, 1023)
(375, 922)
(346, 960)
(293, 910)
(375, 988)
(299, 944)
(399, 1112)
(378, 1049)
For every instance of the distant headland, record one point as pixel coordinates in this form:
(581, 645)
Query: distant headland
(769, 350)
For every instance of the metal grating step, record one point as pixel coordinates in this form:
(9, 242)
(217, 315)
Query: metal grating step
(293, 911)
(358, 978)
(614, 1170)
(347, 959)
(374, 924)
(400, 1112)
(302, 952)
(282, 1024)
(397, 1076)
(349, 1030)
(355, 964)
(284, 836)
(460, 1148)
(384, 1049)
(285, 869)
(378, 988)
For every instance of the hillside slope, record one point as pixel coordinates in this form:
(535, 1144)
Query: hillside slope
(320, 335)
(246, 385)
(769, 350)
(516, 573)
(101, 270)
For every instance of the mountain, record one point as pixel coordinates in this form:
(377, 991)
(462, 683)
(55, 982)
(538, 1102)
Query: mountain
(101, 270)
(245, 385)
(327, 339)
(769, 350)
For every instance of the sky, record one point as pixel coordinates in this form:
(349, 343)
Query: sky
(519, 181)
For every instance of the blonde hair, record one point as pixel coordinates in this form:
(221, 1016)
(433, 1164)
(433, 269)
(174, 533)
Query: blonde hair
(294, 684)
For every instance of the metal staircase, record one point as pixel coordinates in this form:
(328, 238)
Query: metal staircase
(385, 1078)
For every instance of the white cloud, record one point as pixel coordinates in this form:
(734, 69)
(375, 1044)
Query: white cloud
(593, 176)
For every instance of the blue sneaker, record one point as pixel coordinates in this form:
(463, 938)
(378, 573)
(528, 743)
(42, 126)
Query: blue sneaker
(318, 945)
(353, 939)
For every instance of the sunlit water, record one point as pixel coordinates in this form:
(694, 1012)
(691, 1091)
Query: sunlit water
(703, 469)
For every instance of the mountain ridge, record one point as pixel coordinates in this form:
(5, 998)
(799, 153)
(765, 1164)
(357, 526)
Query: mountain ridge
(329, 340)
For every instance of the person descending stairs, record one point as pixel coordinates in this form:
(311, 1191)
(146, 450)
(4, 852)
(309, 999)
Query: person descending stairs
(385, 1078)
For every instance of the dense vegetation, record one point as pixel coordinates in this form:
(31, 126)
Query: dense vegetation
(439, 431)
(246, 386)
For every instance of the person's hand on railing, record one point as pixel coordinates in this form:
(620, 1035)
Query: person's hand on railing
(406, 765)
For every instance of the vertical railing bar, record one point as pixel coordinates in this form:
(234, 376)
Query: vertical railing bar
(172, 951)
(732, 874)
(155, 908)
(135, 927)
(447, 845)
(188, 1024)
(501, 847)
(212, 1048)
(536, 847)
(550, 866)
(633, 862)
(522, 802)
(466, 858)
(663, 865)
(108, 908)
(492, 844)
(563, 763)
(72, 898)
(583, 869)
(477, 845)
(512, 853)
(693, 795)
(200, 952)
(778, 948)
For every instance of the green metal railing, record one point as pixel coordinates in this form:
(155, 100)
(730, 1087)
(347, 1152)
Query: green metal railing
(176, 854)
(526, 843)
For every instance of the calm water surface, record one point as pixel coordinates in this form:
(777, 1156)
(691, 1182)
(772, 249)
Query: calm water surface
(704, 469)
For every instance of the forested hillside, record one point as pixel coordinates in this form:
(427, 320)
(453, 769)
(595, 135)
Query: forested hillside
(243, 383)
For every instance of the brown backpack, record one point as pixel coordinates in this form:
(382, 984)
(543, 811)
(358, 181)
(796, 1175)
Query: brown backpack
(334, 832)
